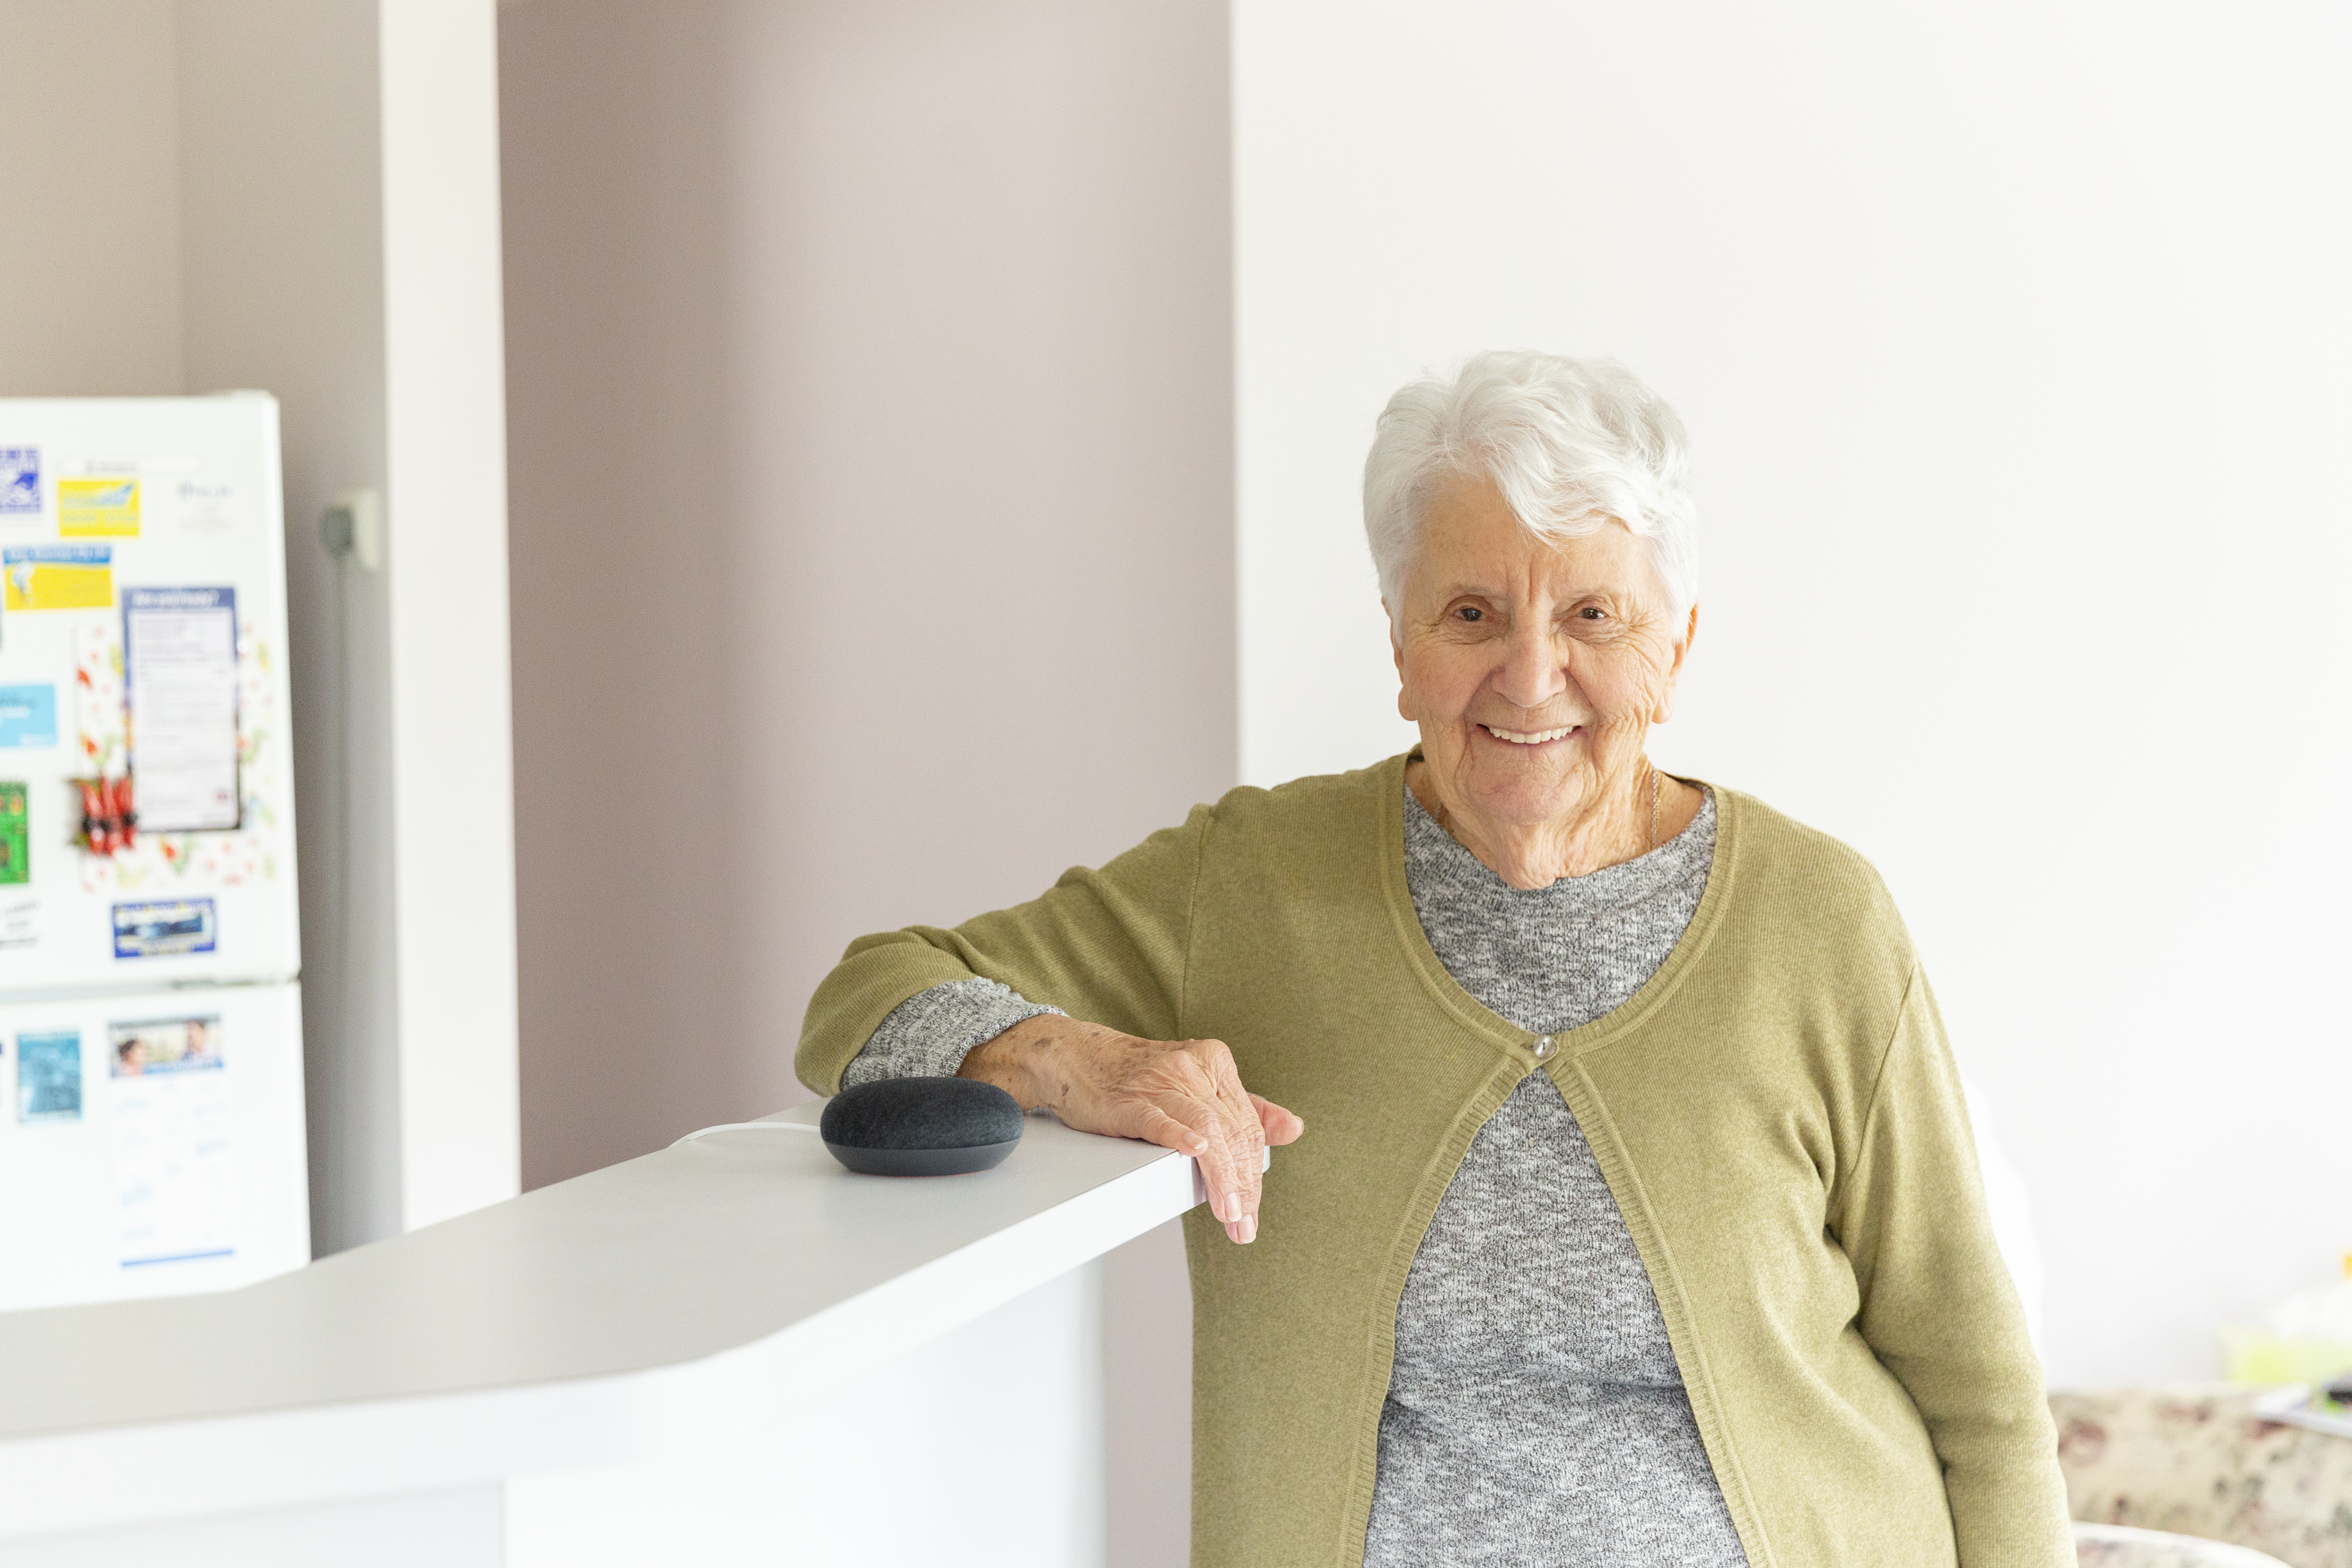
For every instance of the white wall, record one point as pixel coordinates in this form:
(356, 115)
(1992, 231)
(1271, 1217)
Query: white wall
(451, 729)
(871, 422)
(2012, 342)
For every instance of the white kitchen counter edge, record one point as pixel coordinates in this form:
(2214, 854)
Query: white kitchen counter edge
(117, 1476)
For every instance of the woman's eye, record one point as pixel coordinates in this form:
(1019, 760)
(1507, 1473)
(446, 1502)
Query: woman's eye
(1472, 613)
(1591, 613)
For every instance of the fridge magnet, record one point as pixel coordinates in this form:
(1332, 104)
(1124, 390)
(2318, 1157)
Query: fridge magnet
(105, 508)
(166, 1045)
(108, 825)
(48, 1075)
(165, 927)
(57, 576)
(20, 481)
(20, 922)
(16, 836)
(28, 715)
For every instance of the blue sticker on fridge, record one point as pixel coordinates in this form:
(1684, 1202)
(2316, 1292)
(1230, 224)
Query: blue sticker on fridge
(20, 481)
(28, 715)
(165, 927)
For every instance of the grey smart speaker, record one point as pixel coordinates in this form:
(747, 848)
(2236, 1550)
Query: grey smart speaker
(921, 1126)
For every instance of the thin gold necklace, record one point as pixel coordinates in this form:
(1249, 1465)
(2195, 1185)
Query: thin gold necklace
(1653, 803)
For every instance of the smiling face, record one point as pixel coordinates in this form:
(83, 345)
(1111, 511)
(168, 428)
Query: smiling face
(1534, 671)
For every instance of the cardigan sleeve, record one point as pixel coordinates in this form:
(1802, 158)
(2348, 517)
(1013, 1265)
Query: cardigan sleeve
(930, 1032)
(1108, 946)
(1939, 1308)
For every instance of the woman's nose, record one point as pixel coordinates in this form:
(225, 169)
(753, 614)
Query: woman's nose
(1531, 674)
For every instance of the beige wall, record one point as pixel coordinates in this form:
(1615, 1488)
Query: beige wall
(89, 233)
(871, 479)
(90, 224)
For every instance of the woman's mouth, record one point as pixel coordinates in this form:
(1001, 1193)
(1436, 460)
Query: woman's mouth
(1529, 737)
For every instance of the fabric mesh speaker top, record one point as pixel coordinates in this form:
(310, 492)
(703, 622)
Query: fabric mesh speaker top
(921, 1126)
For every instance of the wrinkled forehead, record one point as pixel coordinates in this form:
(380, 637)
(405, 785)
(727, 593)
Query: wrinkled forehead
(1471, 541)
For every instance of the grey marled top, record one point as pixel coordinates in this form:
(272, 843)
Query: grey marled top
(1535, 1418)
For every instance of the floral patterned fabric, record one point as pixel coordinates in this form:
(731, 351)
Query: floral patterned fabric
(2199, 1461)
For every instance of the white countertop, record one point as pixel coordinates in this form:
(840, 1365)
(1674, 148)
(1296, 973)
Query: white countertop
(672, 1302)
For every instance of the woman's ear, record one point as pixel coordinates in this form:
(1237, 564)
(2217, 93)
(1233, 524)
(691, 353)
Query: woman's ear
(1664, 708)
(1396, 651)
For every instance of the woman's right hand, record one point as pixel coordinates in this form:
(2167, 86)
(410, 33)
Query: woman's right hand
(1183, 1095)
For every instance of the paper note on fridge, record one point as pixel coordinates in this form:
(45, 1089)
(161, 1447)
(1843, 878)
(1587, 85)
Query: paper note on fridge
(179, 682)
(171, 1140)
(58, 576)
(20, 921)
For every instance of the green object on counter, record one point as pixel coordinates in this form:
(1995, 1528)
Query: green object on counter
(2253, 1355)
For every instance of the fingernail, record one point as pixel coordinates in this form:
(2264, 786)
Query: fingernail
(1248, 1229)
(1234, 1234)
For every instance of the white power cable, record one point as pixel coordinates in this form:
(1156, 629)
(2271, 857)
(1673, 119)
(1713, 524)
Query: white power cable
(746, 1127)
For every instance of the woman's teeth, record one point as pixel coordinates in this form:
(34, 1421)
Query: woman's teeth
(1536, 739)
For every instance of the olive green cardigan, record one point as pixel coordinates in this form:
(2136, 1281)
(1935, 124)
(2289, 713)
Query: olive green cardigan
(1776, 1110)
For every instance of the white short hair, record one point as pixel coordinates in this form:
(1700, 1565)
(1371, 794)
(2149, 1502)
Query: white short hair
(1570, 444)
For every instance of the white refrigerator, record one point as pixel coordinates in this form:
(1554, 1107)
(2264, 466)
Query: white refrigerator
(151, 1035)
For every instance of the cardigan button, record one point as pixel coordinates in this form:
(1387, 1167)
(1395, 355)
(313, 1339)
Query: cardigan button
(1542, 1047)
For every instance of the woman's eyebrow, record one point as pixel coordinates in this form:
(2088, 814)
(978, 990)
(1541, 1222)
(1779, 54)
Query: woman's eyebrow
(1571, 596)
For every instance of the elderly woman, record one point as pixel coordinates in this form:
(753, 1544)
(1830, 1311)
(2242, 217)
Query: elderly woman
(1639, 1220)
